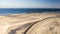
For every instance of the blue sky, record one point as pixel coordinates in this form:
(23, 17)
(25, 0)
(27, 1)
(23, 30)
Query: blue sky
(29, 3)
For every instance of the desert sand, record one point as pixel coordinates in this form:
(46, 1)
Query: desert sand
(30, 23)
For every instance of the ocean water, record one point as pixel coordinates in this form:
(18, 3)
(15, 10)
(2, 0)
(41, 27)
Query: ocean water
(4, 11)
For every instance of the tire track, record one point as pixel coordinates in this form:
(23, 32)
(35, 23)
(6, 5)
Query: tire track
(40, 21)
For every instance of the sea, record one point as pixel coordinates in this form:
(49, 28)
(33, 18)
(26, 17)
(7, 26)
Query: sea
(5, 11)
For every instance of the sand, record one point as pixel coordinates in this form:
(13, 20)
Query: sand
(21, 23)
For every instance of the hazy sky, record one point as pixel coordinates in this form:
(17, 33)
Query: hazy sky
(29, 3)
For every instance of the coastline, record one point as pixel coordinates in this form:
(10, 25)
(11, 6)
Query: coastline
(13, 21)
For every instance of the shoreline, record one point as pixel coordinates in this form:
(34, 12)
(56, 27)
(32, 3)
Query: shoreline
(16, 21)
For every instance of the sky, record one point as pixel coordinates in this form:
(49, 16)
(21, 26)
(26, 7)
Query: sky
(29, 3)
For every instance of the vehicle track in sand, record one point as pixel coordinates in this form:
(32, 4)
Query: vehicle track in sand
(24, 24)
(33, 26)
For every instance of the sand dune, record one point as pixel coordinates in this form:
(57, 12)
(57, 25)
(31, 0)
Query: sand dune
(21, 23)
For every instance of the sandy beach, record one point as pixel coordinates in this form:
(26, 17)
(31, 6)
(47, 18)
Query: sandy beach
(21, 23)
